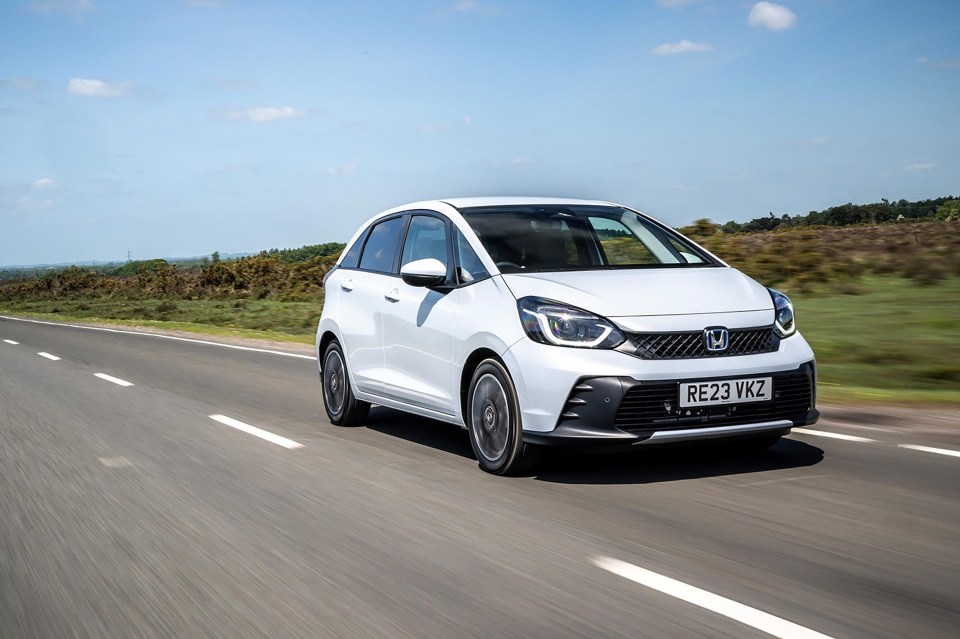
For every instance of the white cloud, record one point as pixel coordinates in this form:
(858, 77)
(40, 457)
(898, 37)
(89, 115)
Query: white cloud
(27, 85)
(925, 166)
(265, 114)
(430, 129)
(44, 184)
(467, 120)
(94, 88)
(519, 161)
(942, 64)
(775, 17)
(820, 140)
(684, 46)
(345, 169)
(76, 7)
(29, 204)
(476, 6)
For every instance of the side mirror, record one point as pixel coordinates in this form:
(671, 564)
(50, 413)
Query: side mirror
(428, 273)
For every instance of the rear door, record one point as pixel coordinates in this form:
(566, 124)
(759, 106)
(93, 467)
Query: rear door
(361, 298)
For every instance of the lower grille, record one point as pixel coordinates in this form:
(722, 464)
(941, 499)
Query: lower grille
(652, 407)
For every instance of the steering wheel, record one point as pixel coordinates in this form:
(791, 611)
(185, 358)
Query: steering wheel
(499, 264)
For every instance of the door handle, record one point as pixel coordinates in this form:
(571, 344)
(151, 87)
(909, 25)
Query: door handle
(346, 286)
(393, 296)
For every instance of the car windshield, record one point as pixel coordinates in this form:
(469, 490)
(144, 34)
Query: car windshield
(524, 239)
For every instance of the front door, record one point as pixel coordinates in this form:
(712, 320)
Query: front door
(418, 326)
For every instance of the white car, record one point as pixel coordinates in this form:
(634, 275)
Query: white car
(542, 321)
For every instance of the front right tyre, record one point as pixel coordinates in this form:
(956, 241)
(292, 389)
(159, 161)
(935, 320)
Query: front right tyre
(494, 423)
(342, 407)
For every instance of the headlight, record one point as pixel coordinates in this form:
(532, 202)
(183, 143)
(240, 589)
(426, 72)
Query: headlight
(783, 323)
(550, 322)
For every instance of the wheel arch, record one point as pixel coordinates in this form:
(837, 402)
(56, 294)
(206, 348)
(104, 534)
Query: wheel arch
(466, 374)
(325, 338)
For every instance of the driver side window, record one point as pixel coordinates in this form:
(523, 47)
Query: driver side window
(426, 238)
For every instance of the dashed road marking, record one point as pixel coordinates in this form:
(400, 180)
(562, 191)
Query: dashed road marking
(115, 380)
(715, 603)
(928, 449)
(48, 356)
(256, 432)
(161, 336)
(823, 433)
(860, 426)
(10, 341)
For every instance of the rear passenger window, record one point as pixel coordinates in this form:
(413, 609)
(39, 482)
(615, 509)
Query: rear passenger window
(380, 251)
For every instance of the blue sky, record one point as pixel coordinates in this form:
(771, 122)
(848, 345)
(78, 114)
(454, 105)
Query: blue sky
(178, 127)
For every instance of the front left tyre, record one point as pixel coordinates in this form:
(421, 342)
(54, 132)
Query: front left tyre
(342, 407)
(494, 423)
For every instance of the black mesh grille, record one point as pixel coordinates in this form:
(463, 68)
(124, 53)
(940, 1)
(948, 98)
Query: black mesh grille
(652, 407)
(690, 344)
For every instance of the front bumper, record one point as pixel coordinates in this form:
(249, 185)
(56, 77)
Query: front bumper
(618, 410)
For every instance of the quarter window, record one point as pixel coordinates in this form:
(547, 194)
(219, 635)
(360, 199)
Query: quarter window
(469, 266)
(353, 255)
(380, 251)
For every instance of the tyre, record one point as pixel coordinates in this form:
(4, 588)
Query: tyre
(494, 422)
(342, 407)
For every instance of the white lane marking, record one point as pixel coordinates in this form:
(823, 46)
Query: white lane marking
(159, 336)
(10, 341)
(115, 380)
(928, 449)
(858, 426)
(256, 432)
(48, 356)
(823, 433)
(721, 605)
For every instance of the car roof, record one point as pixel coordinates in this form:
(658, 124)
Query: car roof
(472, 202)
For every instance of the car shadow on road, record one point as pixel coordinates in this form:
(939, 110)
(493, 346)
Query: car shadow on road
(673, 463)
(639, 466)
(420, 430)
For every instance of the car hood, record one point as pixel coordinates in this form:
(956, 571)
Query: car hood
(647, 292)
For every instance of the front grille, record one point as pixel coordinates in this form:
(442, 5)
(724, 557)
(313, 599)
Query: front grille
(653, 407)
(690, 344)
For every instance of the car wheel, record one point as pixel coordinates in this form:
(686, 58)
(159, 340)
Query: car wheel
(342, 407)
(494, 423)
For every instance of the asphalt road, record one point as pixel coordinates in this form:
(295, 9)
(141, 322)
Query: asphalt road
(127, 511)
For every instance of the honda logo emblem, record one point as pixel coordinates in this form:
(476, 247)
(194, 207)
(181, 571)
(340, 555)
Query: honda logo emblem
(716, 339)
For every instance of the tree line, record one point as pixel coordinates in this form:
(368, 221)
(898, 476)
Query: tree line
(942, 208)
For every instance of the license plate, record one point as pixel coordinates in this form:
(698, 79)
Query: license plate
(730, 391)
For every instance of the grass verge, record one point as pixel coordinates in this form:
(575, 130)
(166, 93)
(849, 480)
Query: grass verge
(896, 342)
